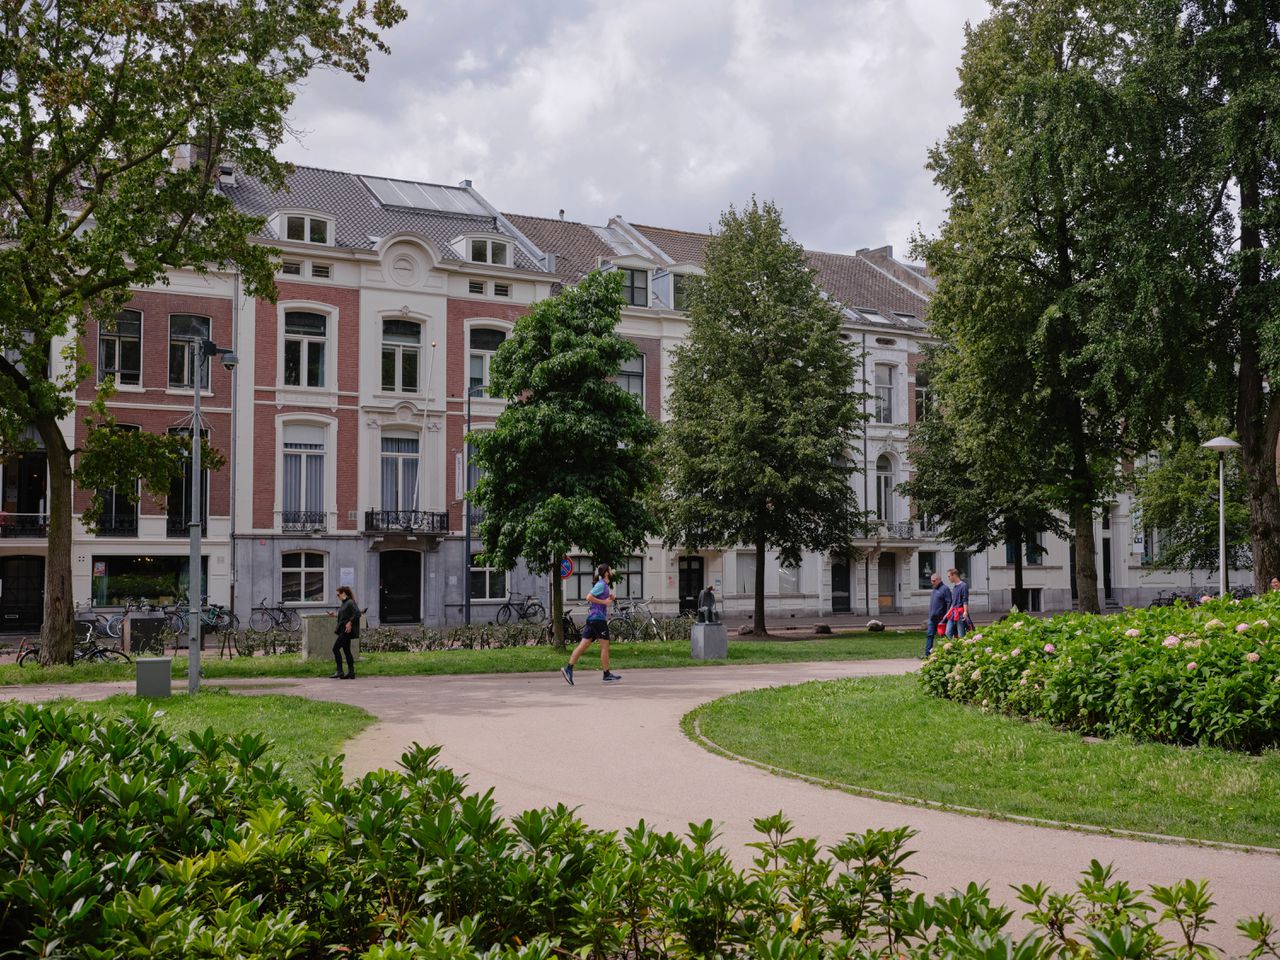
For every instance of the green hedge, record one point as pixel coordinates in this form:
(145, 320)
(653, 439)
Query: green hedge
(1209, 675)
(120, 841)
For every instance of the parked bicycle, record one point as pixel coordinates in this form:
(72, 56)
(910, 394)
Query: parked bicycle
(522, 607)
(634, 620)
(572, 633)
(279, 617)
(88, 649)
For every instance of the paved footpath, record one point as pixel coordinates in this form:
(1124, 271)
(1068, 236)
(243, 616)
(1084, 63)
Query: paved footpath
(617, 753)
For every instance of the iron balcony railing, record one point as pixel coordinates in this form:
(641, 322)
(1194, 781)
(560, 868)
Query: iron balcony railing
(303, 521)
(118, 525)
(405, 521)
(179, 526)
(21, 525)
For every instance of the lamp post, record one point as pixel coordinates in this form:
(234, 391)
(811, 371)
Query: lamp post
(201, 351)
(472, 391)
(1220, 446)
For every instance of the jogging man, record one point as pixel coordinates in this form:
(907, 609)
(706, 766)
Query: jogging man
(597, 626)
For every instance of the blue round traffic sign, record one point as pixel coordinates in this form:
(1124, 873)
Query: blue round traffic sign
(566, 568)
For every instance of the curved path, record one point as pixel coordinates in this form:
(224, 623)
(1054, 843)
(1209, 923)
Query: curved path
(617, 753)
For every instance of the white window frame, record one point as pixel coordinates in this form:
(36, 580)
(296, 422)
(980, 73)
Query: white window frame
(413, 500)
(399, 349)
(883, 393)
(188, 380)
(308, 341)
(330, 427)
(487, 243)
(789, 580)
(627, 379)
(677, 280)
(308, 220)
(301, 570)
(114, 335)
(490, 574)
(884, 489)
(485, 356)
(629, 275)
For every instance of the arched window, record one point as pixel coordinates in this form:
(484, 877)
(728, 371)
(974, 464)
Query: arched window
(884, 488)
(305, 336)
(401, 344)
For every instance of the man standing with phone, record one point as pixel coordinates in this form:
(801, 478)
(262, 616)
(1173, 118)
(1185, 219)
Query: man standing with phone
(597, 626)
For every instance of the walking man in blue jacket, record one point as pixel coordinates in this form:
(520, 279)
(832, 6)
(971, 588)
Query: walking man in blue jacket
(959, 611)
(939, 604)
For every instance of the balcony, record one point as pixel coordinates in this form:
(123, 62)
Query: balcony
(895, 530)
(405, 521)
(19, 526)
(303, 521)
(180, 526)
(119, 525)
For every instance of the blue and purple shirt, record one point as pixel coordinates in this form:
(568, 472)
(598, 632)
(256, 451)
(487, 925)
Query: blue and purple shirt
(598, 611)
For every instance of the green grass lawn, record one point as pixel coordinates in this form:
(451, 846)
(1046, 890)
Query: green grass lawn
(302, 731)
(850, 646)
(884, 733)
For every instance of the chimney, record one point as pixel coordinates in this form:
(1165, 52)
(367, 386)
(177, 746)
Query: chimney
(562, 213)
(550, 262)
(465, 184)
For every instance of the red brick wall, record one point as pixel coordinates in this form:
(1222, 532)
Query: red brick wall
(156, 306)
(346, 346)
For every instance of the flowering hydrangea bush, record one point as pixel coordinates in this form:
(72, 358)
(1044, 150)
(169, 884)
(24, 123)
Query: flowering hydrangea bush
(1209, 675)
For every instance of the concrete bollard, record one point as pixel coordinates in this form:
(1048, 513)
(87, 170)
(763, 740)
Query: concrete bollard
(709, 641)
(154, 676)
(318, 638)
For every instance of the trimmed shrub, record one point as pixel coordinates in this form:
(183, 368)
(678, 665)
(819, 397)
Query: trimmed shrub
(1208, 675)
(122, 841)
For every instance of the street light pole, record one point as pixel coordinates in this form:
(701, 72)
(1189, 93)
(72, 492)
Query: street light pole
(466, 510)
(201, 351)
(1220, 445)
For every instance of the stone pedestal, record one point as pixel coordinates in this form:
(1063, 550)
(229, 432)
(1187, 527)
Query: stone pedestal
(155, 676)
(709, 641)
(318, 638)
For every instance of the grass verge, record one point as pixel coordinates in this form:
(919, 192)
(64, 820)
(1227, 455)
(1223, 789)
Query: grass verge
(302, 731)
(852, 646)
(885, 734)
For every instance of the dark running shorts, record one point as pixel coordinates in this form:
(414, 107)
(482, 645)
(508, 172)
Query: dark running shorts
(596, 630)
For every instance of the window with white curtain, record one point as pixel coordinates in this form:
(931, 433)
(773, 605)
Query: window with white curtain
(746, 579)
(789, 580)
(304, 452)
(399, 472)
(401, 342)
(884, 488)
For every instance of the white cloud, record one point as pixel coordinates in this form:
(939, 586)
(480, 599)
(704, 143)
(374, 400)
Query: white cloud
(665, 112)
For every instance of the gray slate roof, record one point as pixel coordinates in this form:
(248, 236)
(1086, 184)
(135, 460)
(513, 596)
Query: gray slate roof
(359, 219)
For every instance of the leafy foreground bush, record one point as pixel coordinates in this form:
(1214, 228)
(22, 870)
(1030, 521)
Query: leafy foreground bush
(1208, 675)
(119, 841)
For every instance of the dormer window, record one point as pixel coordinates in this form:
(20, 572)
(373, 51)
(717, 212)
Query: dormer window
(307, 229)
(497, 252)
(635, 287)
(680, 291)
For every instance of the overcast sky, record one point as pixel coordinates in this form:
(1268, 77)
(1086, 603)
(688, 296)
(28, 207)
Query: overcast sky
(663, 111)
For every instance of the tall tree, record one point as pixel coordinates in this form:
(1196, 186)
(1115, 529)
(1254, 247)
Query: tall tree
(982, 489)
(96, 99)
(763, 405)
(569, 462)
(1065, 276)
(1228, 59)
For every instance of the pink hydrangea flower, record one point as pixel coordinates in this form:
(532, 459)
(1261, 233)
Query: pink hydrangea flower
(977, 637)
(984, 702)
(1215, 622)
(1015, 652)
(1261, 623)
(976, 674)
(988, 649)
(1018, 625)
(1049, 648)
(946, 646)
(1133, 632)
(1022, 682)
(1205, 598)
(1171, 641)
(1192, 665)
(1252, 656)
(1241, 627)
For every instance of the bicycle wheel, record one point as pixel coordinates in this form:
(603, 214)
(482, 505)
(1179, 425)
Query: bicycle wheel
(291, 621)
(620, 628)
(115, 626)
(30, 655)
(535, 612)
(504, 615)
(261, 620)
(108, 655)
(648, 630)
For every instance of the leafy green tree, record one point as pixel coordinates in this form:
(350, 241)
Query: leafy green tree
(763, 405)
(1071, 257)
(96, 99)
(982, 490)
(1177, 498)
(569, 461)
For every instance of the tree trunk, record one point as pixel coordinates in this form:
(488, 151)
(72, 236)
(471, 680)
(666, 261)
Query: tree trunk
(1019, 592)
(1257, 416)
(57, 633)
(557, 609)
(760, 629)
(1086, 560)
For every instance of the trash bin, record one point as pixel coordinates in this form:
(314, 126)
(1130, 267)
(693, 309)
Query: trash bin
(155, 676)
